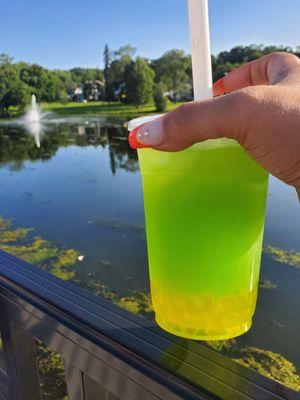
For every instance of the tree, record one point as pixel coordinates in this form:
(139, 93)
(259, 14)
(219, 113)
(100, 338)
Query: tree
(160, 99)
(13, 92)
(139, 81)
(108, 88)
(174, 70)
(125, 53)
(115, 64)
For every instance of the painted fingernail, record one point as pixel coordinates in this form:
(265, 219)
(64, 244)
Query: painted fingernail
(135, 139)
(218, 87)
(147, 135)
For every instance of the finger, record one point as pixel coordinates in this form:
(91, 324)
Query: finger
(266, 70)
(190, 123)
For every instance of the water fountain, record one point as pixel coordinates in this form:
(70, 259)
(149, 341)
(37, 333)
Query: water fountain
(33, 120)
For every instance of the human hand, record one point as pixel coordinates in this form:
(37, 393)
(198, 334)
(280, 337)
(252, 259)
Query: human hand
(261, 112)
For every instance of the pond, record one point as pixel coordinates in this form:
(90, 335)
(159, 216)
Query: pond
(79, 197)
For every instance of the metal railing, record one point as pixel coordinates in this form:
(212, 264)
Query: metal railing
(106, 349)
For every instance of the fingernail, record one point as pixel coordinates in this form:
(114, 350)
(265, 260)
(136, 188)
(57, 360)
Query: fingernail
(147, 135)
(133, 139)
(218, 87)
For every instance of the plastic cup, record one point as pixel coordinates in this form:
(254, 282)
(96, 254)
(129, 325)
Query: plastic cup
(205, 211)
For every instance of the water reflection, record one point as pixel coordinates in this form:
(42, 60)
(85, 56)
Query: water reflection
(45, 138)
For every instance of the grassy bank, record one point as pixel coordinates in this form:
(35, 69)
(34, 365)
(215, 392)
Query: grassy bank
(103, 108)
(96, 108)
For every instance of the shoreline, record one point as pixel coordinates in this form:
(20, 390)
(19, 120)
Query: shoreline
(93, 108)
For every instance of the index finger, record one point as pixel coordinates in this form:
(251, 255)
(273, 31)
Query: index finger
(259, 72)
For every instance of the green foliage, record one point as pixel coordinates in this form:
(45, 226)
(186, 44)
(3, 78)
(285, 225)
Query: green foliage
(289, 257)
(13, 235)
(38, 251)
(160, 99)
(136, 302)
(139, 81)
(266, 284)
(226, 61)
(115, 64)
(13, 92)
(52, 373)
(174, 70)
(266, 362)
(128, 111)
(272, 365)
(123, 78)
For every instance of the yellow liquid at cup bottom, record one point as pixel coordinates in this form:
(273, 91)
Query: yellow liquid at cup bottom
(205, 211)
(204, 317)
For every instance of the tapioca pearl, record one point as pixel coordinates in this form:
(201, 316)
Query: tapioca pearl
(242, 300)
(191, 324)
(212, 317)
(245, 314)
(203, 302)
(173, 316)
(214, 326)
(190, 331)
(193, 316)
(167, 301)
(231, 329)
(226, 303)
(231, 319)
(181, 301)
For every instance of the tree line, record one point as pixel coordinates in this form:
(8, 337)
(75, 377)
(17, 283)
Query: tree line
(125, 77)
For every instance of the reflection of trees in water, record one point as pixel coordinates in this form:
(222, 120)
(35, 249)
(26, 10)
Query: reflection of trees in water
(17, 146)
(121, 156)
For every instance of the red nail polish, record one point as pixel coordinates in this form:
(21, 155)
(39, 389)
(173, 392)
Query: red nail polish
(218, 87)
(134, 143)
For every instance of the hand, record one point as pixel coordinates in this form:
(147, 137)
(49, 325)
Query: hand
(261, 112)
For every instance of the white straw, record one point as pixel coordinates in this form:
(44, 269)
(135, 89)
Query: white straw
(201, 56)
(200, 44)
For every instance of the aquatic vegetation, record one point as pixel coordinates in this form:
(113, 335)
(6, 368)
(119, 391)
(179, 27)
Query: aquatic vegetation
(272, 365)
(52, 373)
(38, 251)
(267, 284)
(289, 257)
(5, 223)
(135, 302)
(35, 252)
(266, 362)
(66, 258)
(7, 234)
(62, 262)
(13, 235)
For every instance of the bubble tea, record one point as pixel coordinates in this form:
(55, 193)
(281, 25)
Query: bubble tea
(205, 210)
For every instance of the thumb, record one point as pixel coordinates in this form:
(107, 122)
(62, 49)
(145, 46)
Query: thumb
(190, 123)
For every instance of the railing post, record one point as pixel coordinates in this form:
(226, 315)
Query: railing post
(21, 362)
(81, 387)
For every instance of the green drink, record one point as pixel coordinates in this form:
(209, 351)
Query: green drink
(205, 209)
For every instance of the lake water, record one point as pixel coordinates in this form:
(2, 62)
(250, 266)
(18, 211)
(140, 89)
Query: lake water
(82, 190)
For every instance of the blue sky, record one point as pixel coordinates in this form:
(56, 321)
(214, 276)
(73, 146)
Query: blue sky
(65, 33)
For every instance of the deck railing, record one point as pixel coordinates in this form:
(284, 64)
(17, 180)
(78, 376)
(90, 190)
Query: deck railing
(108, 353)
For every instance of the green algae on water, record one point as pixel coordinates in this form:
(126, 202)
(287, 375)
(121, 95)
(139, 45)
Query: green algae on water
(266, 362)
(290, 257)
(267, 284)
(34, 249)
